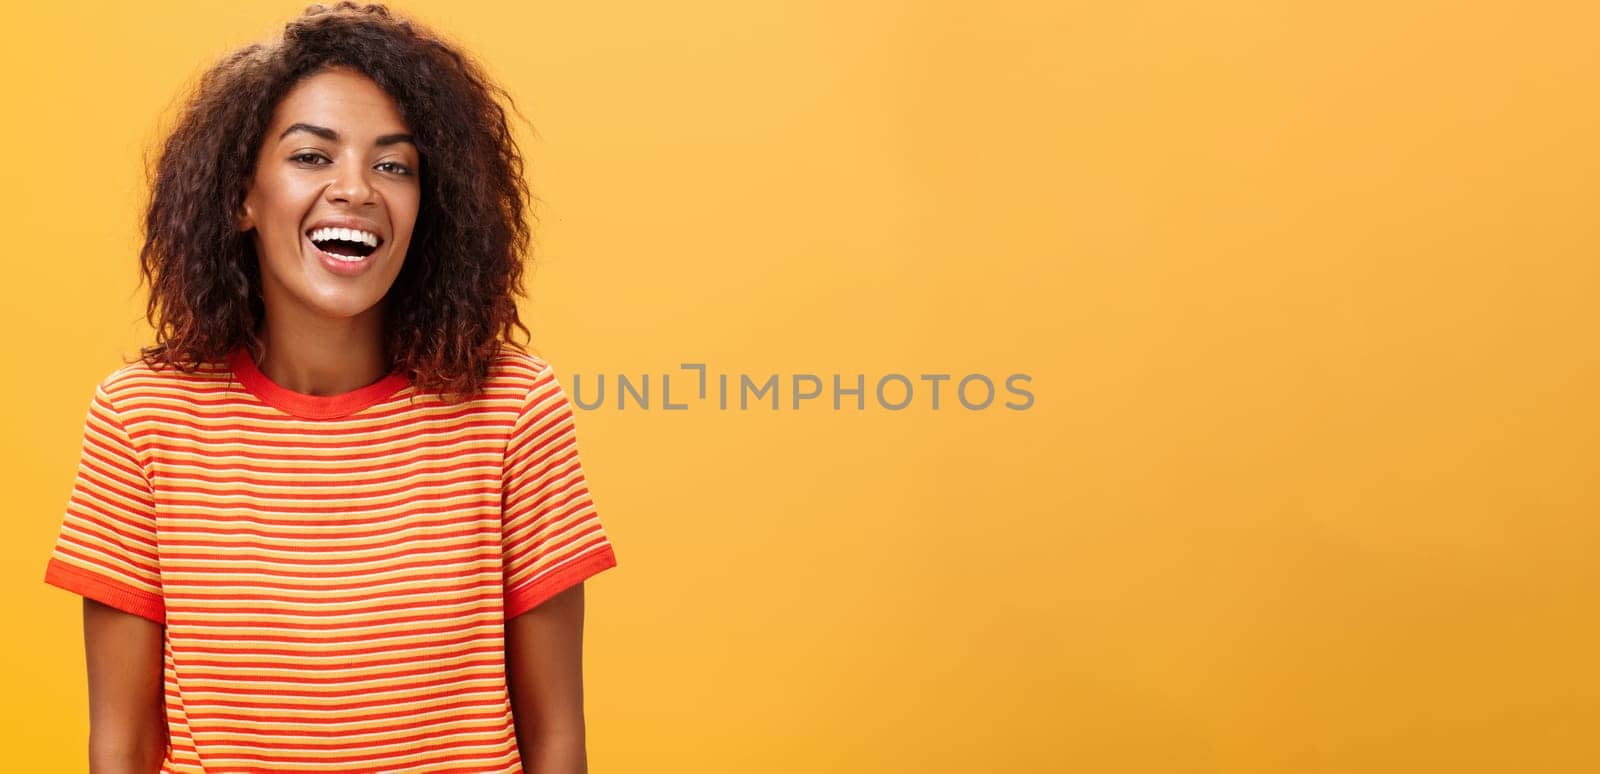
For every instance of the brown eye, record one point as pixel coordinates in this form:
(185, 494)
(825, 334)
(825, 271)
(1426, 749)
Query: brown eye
(301, 156)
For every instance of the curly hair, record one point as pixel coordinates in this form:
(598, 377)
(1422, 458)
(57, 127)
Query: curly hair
(453, 304)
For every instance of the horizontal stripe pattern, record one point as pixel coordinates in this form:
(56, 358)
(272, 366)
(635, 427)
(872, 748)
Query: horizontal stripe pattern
(333, 574)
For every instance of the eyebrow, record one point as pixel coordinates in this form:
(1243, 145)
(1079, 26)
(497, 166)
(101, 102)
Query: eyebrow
(329, 134)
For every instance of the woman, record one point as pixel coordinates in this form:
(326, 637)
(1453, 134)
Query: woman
(334, 519)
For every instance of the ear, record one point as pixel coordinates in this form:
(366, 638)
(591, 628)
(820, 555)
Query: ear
(245, 218)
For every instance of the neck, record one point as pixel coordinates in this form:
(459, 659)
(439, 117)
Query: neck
(315, 359)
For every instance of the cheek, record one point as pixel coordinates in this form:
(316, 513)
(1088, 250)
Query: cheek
(403, 210)
(281, 204)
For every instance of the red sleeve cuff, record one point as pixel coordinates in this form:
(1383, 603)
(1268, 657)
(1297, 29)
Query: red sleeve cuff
(106, 590)
(530, 596)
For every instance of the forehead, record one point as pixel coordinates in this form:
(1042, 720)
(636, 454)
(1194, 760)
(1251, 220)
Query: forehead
(341, 99)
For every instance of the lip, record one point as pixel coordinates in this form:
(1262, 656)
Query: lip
(338, 266)
(347, 221)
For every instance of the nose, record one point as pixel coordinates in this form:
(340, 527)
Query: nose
(350, 185)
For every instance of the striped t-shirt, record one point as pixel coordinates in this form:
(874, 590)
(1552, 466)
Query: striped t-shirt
(334, 573)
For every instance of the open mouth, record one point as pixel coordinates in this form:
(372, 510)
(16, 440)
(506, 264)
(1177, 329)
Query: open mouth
(348, 244)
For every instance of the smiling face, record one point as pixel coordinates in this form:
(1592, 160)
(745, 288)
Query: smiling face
(336, 173)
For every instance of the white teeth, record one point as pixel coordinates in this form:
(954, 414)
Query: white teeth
(347, 234)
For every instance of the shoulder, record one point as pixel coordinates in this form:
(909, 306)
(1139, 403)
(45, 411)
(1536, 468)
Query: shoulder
(541, 394)
(519, 371)
(140, 379)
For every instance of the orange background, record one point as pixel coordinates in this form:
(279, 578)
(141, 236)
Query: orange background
(1307, 295)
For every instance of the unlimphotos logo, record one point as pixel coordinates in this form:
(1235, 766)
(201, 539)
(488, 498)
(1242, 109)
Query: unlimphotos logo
(893, 391)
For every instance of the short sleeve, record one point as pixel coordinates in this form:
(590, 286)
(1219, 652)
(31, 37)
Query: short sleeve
(106, 549)
(551, 536)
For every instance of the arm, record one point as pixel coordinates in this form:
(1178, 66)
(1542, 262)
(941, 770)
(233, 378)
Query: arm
(127, 716)
(544, 672)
